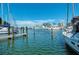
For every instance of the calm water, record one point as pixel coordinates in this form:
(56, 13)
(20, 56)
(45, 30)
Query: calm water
(38, 42)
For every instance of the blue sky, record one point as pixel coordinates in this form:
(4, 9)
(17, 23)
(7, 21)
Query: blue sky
(39, 12)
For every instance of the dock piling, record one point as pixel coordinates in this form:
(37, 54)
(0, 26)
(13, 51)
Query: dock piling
(9, 32)
(26, 29)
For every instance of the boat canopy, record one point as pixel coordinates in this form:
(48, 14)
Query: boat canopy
(75, 19)
(5, 24)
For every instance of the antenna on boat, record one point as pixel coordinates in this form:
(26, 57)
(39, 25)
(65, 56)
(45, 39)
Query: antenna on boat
(2, 13)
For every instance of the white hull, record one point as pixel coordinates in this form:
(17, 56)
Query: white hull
(5, 31)
(72, 42)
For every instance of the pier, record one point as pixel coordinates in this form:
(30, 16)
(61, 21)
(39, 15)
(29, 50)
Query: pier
(8, 27)
(11, 36)
(11, 33)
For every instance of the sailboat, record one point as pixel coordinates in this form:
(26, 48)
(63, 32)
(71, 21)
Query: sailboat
(4, 25)
(71, 33)
(3, 29)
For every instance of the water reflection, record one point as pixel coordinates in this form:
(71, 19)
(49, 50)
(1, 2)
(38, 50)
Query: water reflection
(25, 38)
(9, 42)
(13, 41)
(34, 33)
(51, 33)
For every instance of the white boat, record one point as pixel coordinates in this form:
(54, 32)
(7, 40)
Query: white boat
(73, 42)
(56, 28)
(3, 26)
(3, 31)
(71, 35)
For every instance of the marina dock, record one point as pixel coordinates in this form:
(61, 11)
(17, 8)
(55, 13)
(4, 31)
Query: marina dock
(11, 36)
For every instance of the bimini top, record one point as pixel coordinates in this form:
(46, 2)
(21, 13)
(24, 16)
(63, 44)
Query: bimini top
(5, 24)
(75, 19)
(75, 23)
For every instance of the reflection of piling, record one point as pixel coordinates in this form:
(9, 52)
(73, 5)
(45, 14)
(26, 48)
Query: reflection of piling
(8, 42)
(51, 33)
(12, 42)
(13, 32)
(34, 32)
(26, 41)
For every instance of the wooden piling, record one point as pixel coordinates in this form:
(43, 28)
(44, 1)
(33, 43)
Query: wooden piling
(23, 29)
(20, 29)
(26, 29)
(9, 32)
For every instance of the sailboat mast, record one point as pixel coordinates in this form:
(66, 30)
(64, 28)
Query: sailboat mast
(2, 13)
(72, 10)
(8, 13)
(67, 13)
(10, 16)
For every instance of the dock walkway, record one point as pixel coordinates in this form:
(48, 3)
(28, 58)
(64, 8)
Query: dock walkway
(11, 36)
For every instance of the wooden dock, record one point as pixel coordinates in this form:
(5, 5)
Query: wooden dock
(11, 36)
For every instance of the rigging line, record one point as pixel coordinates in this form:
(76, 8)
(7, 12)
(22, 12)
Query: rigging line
(73, 10)
(10, 16)
(13, 20)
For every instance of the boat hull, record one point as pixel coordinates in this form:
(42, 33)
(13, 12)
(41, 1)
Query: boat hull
(71, 43)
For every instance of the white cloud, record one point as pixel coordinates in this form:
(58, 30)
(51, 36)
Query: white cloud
(31, 23)
(43, 21)
(25, 23)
